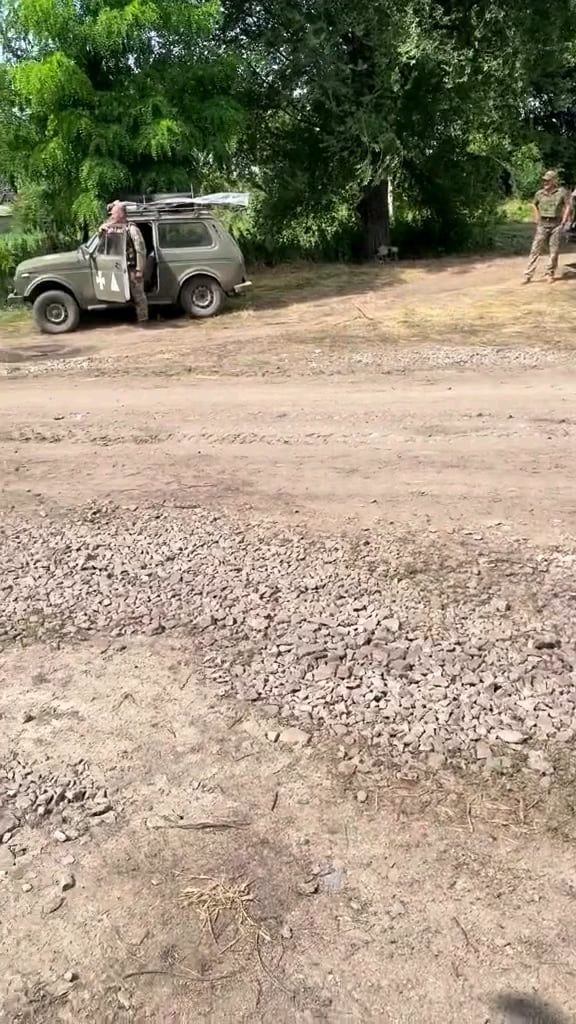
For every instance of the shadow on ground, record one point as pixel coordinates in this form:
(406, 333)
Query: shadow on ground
(518, 1008)
(39, 351)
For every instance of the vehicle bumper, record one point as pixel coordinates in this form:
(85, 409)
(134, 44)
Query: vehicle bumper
(15, 300)
(239, 288)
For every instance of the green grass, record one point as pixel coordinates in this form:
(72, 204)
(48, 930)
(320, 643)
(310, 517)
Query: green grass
(10, 317)
(517, 210)
(514, 229)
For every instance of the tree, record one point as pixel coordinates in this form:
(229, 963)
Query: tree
(99, 97)
(348, 94)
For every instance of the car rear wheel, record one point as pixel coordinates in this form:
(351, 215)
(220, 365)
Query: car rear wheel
(202, 297)
(56, 313)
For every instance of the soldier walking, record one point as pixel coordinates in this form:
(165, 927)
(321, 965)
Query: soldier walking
(135, 256)
(552, 209)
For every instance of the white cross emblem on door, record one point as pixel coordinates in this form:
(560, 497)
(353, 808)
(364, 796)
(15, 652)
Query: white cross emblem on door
(100, 279)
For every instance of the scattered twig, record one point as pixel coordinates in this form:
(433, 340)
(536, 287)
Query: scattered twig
(199, 826)
(469, 815)
(464, 934)
(124, 697)
(362, 313)
(274, 801)
(186, 681)
(269, 973)
(188, 976)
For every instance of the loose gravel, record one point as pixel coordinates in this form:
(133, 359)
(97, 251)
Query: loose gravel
(430, 648)
(383, 357)
(68, 800)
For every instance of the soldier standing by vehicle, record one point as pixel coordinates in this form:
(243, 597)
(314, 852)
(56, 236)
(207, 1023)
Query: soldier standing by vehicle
(135, 256)
(552, 210)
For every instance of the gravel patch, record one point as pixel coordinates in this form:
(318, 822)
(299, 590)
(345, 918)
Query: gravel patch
(384, 357)
(430, 648)
(68, 801)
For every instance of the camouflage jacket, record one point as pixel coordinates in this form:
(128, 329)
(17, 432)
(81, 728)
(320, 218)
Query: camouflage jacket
(551, 205)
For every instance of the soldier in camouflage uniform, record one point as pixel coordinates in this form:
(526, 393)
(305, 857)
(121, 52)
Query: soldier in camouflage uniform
(552, 209)
(135, 256)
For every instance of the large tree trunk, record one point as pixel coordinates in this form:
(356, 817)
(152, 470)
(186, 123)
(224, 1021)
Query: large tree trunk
(374, 213)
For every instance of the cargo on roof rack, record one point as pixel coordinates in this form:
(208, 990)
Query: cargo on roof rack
(182, 201)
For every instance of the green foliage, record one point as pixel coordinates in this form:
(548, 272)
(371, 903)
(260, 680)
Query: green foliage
(103, 96)
(17, 246)
(526, 169)
(314, 105)
(429, 94)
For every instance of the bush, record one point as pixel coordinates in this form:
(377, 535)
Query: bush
(16, 246)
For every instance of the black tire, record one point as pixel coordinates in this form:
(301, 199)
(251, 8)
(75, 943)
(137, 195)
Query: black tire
(202, 297)
(56, 312)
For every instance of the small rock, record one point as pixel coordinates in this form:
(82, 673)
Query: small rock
(391, 624)
(71, 976)
(286, 932)
(294, 737)
(124, 999)
(204, 622)
(8, 823)
(67, 882)
(436, 761)
(273, 735)
(347, 769)
(99, 809)
(28, 716)
(26, 887)
(68, 860)
(52, 904)
(362, 796)
(483, 751)
(154, 629)
(512, 736)
(60, 837)
(107, 819)
(546, 643)
(397, 909)
(537, 762)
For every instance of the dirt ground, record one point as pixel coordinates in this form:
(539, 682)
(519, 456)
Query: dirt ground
(439, 397)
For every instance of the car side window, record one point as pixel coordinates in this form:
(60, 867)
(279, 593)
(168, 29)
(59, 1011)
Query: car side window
(111, 243)
(179, 235)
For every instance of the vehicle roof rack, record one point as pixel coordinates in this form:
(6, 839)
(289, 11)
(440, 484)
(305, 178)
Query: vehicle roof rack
(184, 202)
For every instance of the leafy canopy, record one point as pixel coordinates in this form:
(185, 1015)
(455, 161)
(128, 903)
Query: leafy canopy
(103, 96)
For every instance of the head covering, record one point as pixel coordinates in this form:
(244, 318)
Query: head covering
(550, 176)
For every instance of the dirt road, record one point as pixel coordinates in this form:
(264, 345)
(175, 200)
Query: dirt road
(443, 448)
(425, 418)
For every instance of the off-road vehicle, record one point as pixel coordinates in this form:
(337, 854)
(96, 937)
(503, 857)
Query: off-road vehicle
(193, 262)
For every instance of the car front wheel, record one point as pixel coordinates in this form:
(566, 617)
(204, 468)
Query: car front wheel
(202, 297)
(56, 313)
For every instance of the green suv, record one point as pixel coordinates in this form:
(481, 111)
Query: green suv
(193, 262)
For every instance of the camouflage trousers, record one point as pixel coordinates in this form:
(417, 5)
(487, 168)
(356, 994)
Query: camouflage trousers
(547, 237)
(138, 296)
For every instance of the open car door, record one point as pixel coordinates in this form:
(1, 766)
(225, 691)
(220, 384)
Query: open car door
(110, 269)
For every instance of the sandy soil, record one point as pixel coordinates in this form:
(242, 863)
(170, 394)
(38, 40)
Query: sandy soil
(423, 396)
